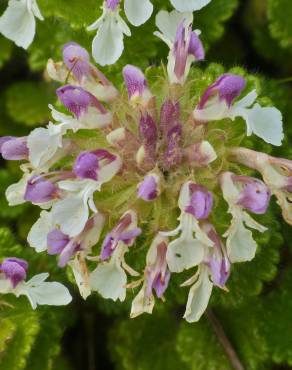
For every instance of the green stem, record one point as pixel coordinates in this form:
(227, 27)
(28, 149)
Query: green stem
(284, 80)
(225, 342)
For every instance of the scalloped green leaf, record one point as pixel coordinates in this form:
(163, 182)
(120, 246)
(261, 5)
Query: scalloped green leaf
(279, 15)
(144, 343)
(27, 325)
(27, 102)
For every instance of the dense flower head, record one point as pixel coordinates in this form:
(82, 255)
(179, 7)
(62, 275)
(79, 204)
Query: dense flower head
(152, 169)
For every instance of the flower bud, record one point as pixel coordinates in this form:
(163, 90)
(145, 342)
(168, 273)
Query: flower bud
(148, 189)
(14, 148)
(148, 130)
(200, 202)
(136, 84)
(200, 154)
(169, 116)
(77, 60)
(173, 153)
(254, 195)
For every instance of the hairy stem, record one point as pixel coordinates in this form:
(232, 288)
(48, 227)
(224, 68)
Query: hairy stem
(225, 342)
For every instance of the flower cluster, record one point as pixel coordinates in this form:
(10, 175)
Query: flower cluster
(124, 165)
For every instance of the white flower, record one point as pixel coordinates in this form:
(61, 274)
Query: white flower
(187, 250)
(189, 5)
(18, 21)
(264, 122)
(108, 44)
(240, 244)
(109, 278)
(38, 291)
(156, 278)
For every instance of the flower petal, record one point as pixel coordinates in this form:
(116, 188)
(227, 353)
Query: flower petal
(108, 44)
(52, 294)
(183, 254)
(109, 280)
(141, 303)
(37, 237)
(240, 244)
(43, 145)
(81, 276)
(189, 5)
(266, 123)
(168, 22)
(15, 192)
(18, 23)
(36, 10)
(198, 298)
(71, 214)
(138, 11)
(46, 293)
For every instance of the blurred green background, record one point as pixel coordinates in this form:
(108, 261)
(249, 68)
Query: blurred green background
(97, 334)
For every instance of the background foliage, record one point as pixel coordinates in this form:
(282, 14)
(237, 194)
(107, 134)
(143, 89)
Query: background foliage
(256, 315)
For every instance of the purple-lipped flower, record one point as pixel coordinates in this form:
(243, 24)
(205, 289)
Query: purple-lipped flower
(148, 189)
(14, 269)
(78, 101)
(14, 148)
(157, 275)
(40, 190)
(77, 60)
(125, 231)
(217, 261)
(89, 165)
(200, 202)
(254, 195)
(67, 247)
(226, 88)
